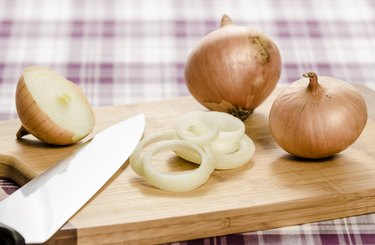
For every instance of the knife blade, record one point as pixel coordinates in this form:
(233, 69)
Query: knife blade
(33, 213)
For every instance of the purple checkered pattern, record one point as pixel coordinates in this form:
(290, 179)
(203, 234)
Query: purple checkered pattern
(123, 52)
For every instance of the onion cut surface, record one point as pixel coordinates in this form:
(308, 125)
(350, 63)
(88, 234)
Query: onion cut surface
(52, 108)
(215, 140)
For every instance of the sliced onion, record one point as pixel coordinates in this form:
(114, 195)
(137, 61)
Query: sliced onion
(238, 158)
(232, 160)
(181, 181)
(225, 148)
(211, 139)
(136, 158)
(222, 130)
(231, 131)
(197, 127)
(231, 128)
(232, 147)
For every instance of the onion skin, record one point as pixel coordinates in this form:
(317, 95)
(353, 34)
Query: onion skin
(36, 122)
(314, 120)
(233, 69)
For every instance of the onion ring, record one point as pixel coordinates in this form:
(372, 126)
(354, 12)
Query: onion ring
(231, 131)
(197, 127)
(226, 161)
(181, 181)
(230, 127)
(136, 158)
(238, 158)
(214, 140)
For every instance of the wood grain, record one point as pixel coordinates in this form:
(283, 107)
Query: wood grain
(273, 190)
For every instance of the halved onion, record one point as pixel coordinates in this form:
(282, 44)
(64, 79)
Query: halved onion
(52, 108)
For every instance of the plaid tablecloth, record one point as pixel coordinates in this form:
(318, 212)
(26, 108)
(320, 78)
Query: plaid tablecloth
(123, 52)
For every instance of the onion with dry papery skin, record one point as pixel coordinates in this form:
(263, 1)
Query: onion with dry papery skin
(317, 120)
(52, 108)
(233, 69)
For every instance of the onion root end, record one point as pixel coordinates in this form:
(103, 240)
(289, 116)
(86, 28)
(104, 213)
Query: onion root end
(22, 132)
(240, 113)
(225, 106)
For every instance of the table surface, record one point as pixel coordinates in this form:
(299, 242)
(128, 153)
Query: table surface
(123, 52)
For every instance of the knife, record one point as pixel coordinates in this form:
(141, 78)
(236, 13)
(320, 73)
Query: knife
(33, 213)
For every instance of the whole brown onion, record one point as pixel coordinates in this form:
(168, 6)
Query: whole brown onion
(233, 69)
(317, 120)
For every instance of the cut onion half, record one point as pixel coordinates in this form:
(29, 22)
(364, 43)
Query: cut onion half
(52, 108)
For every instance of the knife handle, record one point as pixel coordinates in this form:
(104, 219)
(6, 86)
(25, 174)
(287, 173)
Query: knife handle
(9, 236)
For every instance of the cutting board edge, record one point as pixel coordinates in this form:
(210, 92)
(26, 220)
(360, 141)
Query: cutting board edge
(229, 221)
(13, 169)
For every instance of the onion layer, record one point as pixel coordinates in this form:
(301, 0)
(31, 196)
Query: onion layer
(231, 146)
(136, 158)
(232, 160)
(197, 127)
(231, 131)
(182, 181)
(211, 139)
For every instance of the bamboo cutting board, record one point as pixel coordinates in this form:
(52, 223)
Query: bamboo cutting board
(273, 190)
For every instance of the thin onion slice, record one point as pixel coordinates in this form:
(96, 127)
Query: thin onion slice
(231, 131)
(197, 127)
(231, 128)
(238, 158)
(225, 147)
(210, 139)
(222, 130)
(136, 158)
(226, 161)
(181, 181)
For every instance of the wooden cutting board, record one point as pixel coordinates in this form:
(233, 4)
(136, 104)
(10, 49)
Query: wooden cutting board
(273, 190)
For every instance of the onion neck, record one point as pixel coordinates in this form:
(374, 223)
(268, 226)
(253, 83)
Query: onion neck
(313, 86)
(226, 21)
